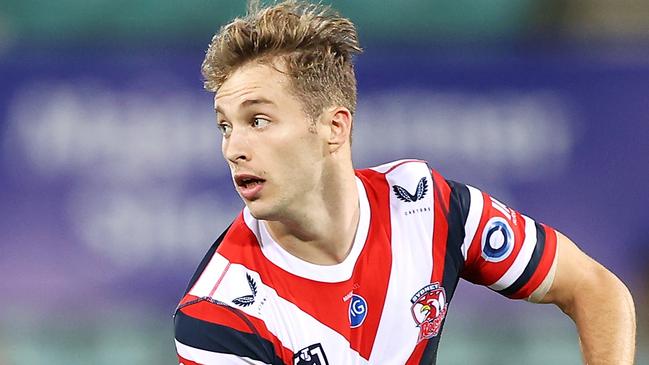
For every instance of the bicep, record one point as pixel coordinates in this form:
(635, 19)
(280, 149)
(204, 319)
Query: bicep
(573, 268)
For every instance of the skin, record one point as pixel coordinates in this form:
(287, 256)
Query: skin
(309, 201)
(598, 302)
(310, 189)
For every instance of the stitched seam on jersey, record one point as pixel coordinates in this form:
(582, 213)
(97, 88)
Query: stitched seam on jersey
(239, 313)
(401, 163)
(243, 316)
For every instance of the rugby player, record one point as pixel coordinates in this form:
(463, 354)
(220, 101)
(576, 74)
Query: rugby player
(331, 265)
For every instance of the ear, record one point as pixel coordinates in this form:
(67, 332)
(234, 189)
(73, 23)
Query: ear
(340, 127)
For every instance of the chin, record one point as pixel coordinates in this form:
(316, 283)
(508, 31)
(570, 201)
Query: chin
(261, 211)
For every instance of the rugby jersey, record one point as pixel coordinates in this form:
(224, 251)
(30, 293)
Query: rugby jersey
(251, 302)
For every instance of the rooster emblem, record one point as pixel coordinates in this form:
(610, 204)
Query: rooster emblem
(428, 310)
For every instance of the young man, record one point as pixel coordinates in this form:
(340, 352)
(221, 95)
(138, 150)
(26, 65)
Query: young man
(331, 265)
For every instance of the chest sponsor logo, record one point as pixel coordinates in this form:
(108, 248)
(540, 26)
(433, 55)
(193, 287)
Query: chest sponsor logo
(429, 310)
(420, 192)
(247, 300)
(357, 310)
(312, 355)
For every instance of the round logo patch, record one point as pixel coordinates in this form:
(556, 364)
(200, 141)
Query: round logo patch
(497, 240)
(357, 311)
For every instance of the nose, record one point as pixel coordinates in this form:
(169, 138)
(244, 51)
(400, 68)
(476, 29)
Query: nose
(236, 147)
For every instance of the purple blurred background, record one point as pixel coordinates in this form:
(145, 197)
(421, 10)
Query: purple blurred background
(112, 185)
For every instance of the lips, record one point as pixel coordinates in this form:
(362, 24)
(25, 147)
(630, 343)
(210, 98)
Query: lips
(248, 185)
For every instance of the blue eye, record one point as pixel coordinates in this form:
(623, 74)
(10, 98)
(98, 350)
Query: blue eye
(260, 122)
(225, 129)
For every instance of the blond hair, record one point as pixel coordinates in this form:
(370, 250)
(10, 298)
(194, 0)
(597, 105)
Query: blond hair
(314, 43)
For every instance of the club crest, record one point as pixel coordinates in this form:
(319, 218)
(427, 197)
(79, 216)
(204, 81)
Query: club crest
(420, 193)
(429, 310)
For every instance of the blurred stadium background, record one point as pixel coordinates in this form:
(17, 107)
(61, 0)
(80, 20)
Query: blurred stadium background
(112, 186)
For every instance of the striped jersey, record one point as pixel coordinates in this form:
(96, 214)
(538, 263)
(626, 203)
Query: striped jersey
(251, 302)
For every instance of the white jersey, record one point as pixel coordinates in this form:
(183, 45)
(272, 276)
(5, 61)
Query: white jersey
(251, 302)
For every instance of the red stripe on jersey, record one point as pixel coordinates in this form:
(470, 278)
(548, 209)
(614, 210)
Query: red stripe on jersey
(371, 272)
(440, 237)
(477, 269)
(183, 361)
(240, 246)
(475, 251)
(440, 227)
(218, 314)
(549, 253)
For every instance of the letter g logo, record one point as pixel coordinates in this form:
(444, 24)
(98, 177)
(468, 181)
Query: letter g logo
(357, 311)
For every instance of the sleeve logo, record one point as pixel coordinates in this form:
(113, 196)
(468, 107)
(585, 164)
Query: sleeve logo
(403, 194)
(247, 300)
(497, 240)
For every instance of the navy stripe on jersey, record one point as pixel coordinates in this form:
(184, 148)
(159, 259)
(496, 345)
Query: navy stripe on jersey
(222, 339)
(460, 195)
(454, 261)
(206, 259)
(460, 200)
(530, 269)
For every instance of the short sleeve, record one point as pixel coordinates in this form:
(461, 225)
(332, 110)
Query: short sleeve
(207, 332)
(503, 249)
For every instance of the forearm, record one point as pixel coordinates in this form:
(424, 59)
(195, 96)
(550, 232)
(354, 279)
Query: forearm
(603, 310)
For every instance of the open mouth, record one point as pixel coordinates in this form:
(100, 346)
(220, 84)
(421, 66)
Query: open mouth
(248, 181)
(249, 186)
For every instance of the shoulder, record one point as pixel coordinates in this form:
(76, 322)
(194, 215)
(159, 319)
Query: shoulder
(236, 240)
(408, 179)
(389, 167)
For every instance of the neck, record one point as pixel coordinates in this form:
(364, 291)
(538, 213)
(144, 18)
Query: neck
(323, 230)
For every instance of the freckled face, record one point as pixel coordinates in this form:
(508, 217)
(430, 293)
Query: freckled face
(276, 162)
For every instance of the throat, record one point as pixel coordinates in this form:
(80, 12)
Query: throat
(320, 242)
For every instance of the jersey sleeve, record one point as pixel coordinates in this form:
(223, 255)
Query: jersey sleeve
(207, 331)
(211, 333)
(503, 249)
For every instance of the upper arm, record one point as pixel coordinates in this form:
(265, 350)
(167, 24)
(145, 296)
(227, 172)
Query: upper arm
(571, 265)
(597, 301)
(574, 271)
(503, 249)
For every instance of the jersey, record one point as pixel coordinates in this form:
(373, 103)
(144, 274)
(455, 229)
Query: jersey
(251, 302)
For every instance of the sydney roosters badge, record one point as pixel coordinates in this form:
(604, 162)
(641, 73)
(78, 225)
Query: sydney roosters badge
(428, 310)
